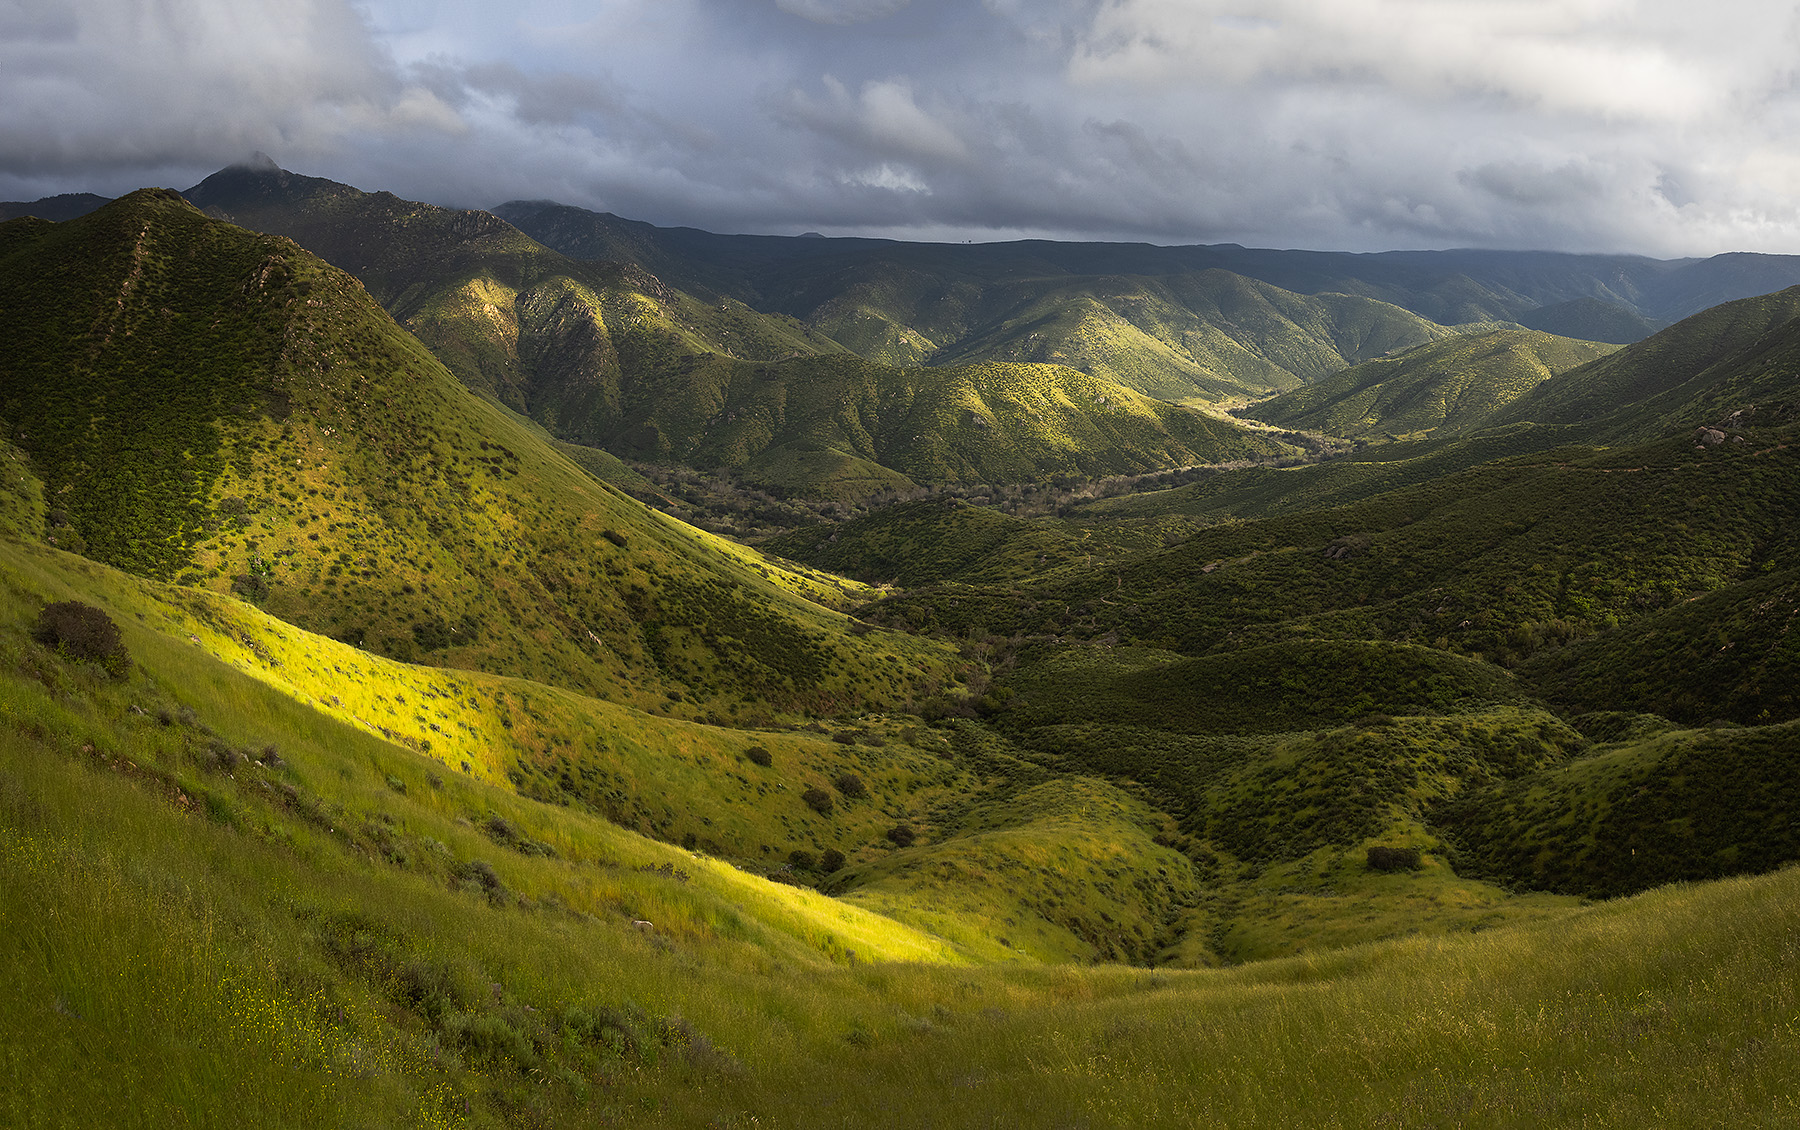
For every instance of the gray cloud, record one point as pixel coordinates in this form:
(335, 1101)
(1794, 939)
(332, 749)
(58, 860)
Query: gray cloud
(841, 12)
(1581, 124)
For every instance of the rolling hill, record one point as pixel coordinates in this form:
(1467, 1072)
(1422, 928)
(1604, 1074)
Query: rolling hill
(607, 356)
(367, 758)
(221, 407)
(1446, 388)
(1444, 287)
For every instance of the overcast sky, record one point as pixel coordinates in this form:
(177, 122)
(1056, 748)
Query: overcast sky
(1666, 128)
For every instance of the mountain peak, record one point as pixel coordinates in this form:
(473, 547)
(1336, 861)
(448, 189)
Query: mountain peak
(259, 162)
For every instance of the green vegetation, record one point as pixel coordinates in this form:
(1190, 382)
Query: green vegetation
(606, 356)
(1687, 805)
(1444, 388)
(305, 944)
(368, 755)
(348, 484)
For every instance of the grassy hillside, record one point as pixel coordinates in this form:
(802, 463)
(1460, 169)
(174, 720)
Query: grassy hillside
(223, 408)
(934, 540)
(335, 937)
(1690, 374)
(1445, 388)
(1679, 807)
(1727, 654)
(607, 356)
(546, 335)
(1198, 337)
(850, 427)
(1501, 561)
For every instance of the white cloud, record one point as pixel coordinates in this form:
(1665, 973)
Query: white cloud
(98, 83)
(1609, 58)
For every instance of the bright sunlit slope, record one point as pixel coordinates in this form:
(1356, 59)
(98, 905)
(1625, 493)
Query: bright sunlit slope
(1444, 388)
(345, 933)
(221, 407)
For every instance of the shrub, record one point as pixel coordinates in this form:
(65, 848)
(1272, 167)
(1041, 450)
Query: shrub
(759, 756)
(1384, 858)
(844, 737)
(801, 859)
(830, 860)
(818, 800)
(478, 875)
(83, 632)
(851, 786)
(902, 835)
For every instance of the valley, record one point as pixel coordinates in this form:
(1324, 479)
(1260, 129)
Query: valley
(575, 672)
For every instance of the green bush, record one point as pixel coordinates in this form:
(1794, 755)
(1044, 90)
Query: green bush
(759, 756)
(830, 860)
(902, 835)
(818, 800)
(82, 632)
(851, 786)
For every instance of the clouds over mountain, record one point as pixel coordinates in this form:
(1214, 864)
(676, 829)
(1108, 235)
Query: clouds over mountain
(1584, 124)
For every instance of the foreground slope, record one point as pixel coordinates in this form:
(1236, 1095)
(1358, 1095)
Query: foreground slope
(208, 404)
(335, 935)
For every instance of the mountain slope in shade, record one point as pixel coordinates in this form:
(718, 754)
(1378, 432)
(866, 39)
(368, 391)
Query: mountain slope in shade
(205, 403)
(1590, 319)
(1444, 388)
(1736, 355)
(1446, 287)
(67, 206)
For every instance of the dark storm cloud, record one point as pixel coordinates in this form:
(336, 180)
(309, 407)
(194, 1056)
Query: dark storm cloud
(1584, 124)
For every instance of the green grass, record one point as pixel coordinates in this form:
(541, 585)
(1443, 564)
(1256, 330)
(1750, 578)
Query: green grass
(1442, 388)
(348, 483)
(229, 972)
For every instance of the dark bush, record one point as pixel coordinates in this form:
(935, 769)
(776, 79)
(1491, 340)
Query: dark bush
(760, 756)
(902, 835)
(851, 786)
(81, 631)
(844, 737)
(221, 756)
(431, 635)
(1383, 858)
(818, 800)
(801, 859)
(830, 860)
(478, 874)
